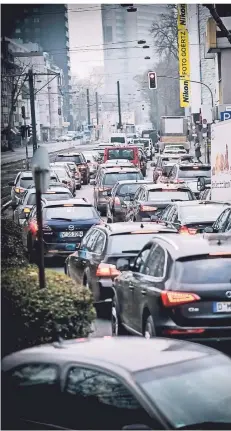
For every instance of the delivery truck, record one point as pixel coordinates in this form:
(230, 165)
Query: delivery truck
(221, 161)
(173, 130)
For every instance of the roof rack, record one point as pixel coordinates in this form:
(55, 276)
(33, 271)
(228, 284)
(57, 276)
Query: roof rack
(218, 238)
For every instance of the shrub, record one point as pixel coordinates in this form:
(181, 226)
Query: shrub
(13, 252)
(31, 316)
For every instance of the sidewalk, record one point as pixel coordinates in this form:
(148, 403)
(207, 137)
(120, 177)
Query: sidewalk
(20, 153)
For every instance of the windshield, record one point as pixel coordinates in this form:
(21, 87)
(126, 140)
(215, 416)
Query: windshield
(62, 173)
(75, 159)
(111, 178)
(201, 212)
(89, 156)
(192, 391)
(194, 172)
(25, 182)
(127, 189)
(49, 197)
(167, 195)
(120, 139)
(71, 213)
(121, 243)
(211, 270)
(122, 153)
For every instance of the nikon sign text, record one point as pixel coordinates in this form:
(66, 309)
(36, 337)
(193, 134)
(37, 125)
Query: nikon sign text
(183, 49)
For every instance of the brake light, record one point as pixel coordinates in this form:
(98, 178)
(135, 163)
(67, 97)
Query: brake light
(183, 331)
(26, 210)
(186, 230)
(104, 189)
(107, 270)
(33, 227)
(117, 201)
(147, 208)
(170, 299)
(19, 190)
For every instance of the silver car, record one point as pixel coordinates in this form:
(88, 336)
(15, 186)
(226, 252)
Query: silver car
(21, 183)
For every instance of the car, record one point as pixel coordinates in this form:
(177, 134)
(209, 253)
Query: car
(121, 197)
(143, 162)
(22, 181)
(65, 223)
(92, 161)
(73, 171)
(186, 158)
(222, 224)
(178, 286)
(115, 383)
(64, 175)
(93, 265)
(148, 147)
(80, 161)
(27, 202)
(204, 188)
(192, 217)
(64, 138)
(115, 163)
(106, 179)
(189, 174)
(150, 200)
(172, 148)
(160, 162)
(122, 152)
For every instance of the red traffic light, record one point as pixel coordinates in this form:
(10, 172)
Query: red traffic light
(152, 80)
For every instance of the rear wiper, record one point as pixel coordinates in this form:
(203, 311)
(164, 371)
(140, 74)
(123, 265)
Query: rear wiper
(61, 218)
(207, 425)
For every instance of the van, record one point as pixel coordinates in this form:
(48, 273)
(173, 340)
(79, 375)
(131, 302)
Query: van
(122, 152)
(118, 138)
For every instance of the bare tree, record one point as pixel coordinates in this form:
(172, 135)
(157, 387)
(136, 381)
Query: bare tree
(164, 31)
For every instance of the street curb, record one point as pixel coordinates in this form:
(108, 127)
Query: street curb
(5, 206)
(23, 158)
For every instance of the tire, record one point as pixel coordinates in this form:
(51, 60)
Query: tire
(149, 328)
(85, 182)
(116, 324)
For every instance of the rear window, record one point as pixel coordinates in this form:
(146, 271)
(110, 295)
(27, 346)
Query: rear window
(111, 178)
(201, 212)
(120, 139)
(213, 270)
(76, 159)
(49, 197)
(127, 189)
(25, 182)
(194, 171)
(126, 243)
(71, 213)
(62, 173)
(121, 153)
(168, 195)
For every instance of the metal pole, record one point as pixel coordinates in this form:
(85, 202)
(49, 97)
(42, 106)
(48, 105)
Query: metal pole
(88, 108)
(32, 108)
(26, 143)
(40, 233)
(119, 105)
(97, 114)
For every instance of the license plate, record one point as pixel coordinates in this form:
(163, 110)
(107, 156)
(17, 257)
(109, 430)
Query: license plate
(78, 234)
(222, 307)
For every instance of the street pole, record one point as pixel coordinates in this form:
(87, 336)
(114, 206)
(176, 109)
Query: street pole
(97, 114)
(119, 105)
(40, 243)
(32, 108)
(26, 144)
(88, 108)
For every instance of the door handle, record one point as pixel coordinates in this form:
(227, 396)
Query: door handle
(144, 292)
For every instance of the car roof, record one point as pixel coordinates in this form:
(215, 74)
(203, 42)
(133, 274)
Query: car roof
(52, 188)
(130, 354)
(133, 182)
(197, 203)
(128, 227)
(120, 168)
(183, 246)
(165, 186)
(69, 154)
(191, 164)
(72, 201)
(26, 174)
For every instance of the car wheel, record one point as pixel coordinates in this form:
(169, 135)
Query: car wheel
(116, 324)
(149, 328)
(85, 181)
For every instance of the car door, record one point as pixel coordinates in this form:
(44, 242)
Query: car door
(77, 261)
(97, 252)
(20, 206)
(96, 187)
(148, 284)
(26, 224)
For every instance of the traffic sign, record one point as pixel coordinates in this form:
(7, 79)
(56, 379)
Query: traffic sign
(225, 115)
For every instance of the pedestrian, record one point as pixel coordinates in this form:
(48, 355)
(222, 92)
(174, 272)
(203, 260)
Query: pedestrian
(198, 152)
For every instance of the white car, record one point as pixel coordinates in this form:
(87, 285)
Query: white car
(64, 138)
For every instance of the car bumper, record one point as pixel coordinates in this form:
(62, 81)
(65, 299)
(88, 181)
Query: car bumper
(60, 249)
(205, 335)
(119, 214)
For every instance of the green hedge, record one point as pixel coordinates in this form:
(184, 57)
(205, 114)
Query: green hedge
(13, 253)
(31, 316)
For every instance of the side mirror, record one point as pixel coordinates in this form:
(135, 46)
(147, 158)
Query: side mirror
(64, 181)
(11, 183)
(122, 264)
(92, 182)
(209, 229)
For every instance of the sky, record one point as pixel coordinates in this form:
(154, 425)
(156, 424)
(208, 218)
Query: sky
(85, 32)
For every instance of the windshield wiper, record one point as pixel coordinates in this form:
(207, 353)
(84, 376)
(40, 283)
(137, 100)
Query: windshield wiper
(207, 426)
(61, 218)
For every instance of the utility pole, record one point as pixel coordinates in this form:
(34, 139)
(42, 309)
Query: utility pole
(97, 114)
(32, 108)
(119, 105)
(88, 108)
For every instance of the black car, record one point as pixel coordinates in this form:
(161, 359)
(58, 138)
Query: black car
(222, 224)
(151, 199)
(192, 217)
(178, 286)
(79, 160)
(65, 223)
(121, 196)
(121, 383)
(94, 263)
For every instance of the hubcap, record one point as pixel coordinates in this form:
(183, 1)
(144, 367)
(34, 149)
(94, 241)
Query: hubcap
(114, 321)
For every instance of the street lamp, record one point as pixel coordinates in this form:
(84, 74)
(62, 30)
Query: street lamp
(41, 175)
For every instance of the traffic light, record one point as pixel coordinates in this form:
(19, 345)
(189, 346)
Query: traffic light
(152, 80)
(23, 111)
(29, 131)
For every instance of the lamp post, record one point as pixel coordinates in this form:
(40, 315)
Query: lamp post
(41, 175)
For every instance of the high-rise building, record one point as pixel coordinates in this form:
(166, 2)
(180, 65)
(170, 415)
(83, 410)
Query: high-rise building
(46, 25)
(124, 58)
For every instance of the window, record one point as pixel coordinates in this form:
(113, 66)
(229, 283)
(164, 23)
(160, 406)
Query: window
(109, 403)
(219, 225)
(155, 264)
(141, 259)
(108, 33)
(99, 244)
(228, 226)
(92, 239)
(18, 30)
(166, 212)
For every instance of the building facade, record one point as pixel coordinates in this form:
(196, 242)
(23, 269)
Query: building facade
(46, 25)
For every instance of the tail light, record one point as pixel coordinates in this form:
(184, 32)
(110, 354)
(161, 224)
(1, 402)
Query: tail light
(117, 201)
(26, 210)
(183, 331)
(147, 208)
(171, 299)
(188, 231)
(107, 270)
(19, 190)
(33, 227)
(178, 181)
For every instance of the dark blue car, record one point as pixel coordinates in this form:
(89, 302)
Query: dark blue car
(65, 223)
